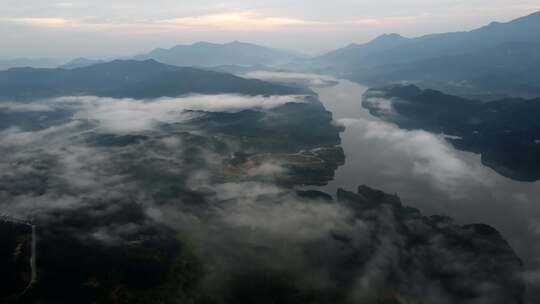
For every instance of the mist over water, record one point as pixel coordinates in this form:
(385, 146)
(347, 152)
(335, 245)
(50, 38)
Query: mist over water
(429, 174)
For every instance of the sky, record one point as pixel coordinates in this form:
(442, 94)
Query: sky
(109, 28)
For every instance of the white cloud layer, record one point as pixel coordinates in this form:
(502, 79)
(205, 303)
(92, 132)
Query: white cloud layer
(130, 115)
(311, 80)
(430, 155)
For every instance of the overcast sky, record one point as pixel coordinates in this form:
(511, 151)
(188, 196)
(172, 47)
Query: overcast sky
(101, 28)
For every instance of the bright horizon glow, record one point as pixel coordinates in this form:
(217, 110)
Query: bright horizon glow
(100, 29)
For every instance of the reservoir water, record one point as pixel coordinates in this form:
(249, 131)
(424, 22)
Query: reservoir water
(429, 174)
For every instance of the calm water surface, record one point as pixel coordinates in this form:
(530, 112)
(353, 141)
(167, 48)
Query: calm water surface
(427, 173)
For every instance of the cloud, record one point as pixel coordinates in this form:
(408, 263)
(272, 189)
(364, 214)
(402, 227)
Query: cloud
(65, 164)
(381, 104)
(42, 21)
(109, 194)
(28, 206)
(275, 212)
(128, 27)
(238, 21)
(15, 137)
(242, 20)
(246, 190)
(268, 169)
(431, 156)
(26, 107)
(311, 80)
(130, 115)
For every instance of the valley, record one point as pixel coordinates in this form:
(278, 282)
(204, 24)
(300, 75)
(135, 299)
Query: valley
(372, 153)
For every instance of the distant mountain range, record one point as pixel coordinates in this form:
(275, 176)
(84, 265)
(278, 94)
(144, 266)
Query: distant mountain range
(28, 62)
(207, 54)
(494, 61)
(498, 59)
(395, 49)
(47, 63)
(200, 54)
(80, 63)
(129, 78)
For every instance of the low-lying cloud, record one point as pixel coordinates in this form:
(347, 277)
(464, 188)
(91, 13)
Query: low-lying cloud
(379, 103)
(308, 79)
(60, 176)
(130, 115)
(430, 155)
(58, 163)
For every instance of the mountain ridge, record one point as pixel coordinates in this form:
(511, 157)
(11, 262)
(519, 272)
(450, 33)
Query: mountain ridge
(493, 61)
(129, 78)
(207, 54)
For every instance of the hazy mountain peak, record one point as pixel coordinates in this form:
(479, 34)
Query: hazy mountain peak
(203, 43)
(533, 16)
(495, 23)
(388, 40)
(131, 62)
(389, 37)
(392, 49)
(79, 63)
(236, 42)
(354, 52)
(526, 23)
(207, 54)
(351, 45)
(28, 62)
